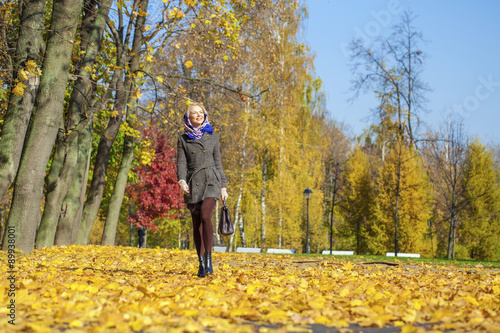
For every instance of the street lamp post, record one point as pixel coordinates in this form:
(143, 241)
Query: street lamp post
(307, 196)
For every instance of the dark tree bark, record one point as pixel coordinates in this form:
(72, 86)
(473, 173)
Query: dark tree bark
(64, 163)
(56, 191)
(72, 205)
(28, 190)
(19, 109)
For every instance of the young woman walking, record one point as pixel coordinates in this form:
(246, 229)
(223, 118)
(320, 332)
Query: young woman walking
(201, 178)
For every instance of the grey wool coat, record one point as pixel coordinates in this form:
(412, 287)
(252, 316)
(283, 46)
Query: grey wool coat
(199, 164)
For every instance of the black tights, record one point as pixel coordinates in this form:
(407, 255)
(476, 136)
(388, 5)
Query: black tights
(203, 231)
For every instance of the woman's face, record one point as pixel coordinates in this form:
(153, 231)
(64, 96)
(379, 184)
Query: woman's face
(196, 116)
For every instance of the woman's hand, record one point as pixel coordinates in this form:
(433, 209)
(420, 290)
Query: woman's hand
(223, 193)
(184, 186)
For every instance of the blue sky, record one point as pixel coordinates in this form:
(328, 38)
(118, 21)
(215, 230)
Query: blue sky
(462, 67)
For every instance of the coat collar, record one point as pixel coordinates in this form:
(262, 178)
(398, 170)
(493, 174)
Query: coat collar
(204, 138)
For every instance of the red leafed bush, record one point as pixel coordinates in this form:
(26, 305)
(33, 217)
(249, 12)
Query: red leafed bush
(156, 194)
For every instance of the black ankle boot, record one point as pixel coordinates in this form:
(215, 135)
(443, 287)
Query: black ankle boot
(201, 269)
(208, 263)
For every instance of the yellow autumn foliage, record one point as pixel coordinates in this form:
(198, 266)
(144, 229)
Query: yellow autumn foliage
(18, 90)
(402, 180)
(124, 289)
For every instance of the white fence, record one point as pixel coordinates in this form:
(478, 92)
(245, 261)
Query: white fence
(281, 251)
(409, 255)
(338, 253)
(248, 250)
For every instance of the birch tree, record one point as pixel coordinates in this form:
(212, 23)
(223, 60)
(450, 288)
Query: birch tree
(393, 67)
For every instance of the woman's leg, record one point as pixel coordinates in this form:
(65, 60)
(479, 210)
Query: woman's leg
(206, 228)
(197, 237)
(197, 225)
(207, 207)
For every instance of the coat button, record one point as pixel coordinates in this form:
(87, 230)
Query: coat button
(203, 151)
(197, 184)
(195, 168)
(193, 152)
(205, 183)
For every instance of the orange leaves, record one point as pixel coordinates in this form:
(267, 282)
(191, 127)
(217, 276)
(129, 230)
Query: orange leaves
(111, 289)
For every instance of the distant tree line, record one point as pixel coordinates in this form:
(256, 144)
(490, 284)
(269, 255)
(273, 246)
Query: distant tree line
(92, 95)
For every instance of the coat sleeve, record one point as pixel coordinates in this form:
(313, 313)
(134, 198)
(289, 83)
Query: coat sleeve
(218, 162)
(181, 161)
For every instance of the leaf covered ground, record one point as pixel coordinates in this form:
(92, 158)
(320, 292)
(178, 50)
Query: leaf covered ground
(120, 289)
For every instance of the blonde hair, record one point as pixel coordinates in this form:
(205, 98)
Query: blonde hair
(192, 106)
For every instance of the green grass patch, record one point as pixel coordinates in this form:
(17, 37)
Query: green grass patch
(465, 263)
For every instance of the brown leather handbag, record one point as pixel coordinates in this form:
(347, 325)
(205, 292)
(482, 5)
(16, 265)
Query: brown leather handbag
(225, 224)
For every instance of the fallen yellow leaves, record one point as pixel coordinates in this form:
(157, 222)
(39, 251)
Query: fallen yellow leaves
(117, 289)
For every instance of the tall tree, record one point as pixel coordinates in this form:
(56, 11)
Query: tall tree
(126, 59)
(335, 160)
(108, 237)
(447, 158)
(69, 158)
(479, 229)
(28, 191)
(25, 80)
(393, 68)
(402, 204)
(359, 197)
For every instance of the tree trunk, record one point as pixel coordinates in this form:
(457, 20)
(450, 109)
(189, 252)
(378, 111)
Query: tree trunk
(216, 225)
(263, 203)
(239, 221)
(122, 96)
(28, 191)
(19, 109)
(396, 212)
(229, 247)
(73, 202)
(454, 238)
(60, 178)
(240, 194)
(56, 192)
(132, 228)
(451, 238)
(278, 29)
(94, 196)
(109, 233)
(332, 210)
